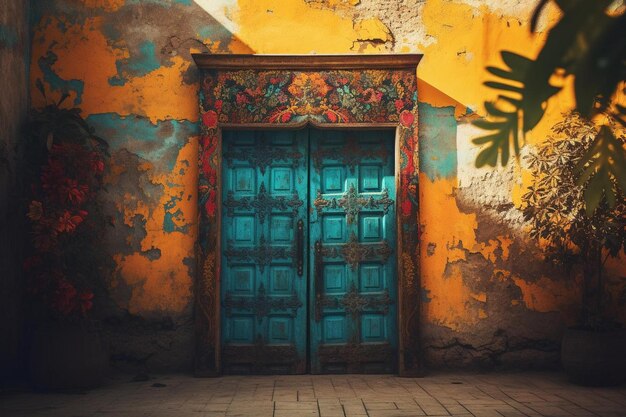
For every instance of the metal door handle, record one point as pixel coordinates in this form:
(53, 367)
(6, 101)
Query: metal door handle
(319, 277)
(300, 247)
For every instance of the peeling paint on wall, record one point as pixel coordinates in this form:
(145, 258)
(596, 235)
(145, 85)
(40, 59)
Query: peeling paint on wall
(488, 296)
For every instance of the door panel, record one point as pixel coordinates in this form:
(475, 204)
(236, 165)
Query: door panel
(308, 260)
(264, 284)
(352, 234)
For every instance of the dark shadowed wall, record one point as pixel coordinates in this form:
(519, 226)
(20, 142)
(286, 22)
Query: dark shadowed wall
(14, 58)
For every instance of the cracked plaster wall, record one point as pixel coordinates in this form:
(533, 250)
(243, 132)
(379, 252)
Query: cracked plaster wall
(488, 299)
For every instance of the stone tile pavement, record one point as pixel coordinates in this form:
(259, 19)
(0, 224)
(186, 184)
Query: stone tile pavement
(460, 395)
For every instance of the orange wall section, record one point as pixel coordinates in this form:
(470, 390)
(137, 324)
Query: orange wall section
(127, 65)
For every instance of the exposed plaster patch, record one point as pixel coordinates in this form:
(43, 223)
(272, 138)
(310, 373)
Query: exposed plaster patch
(519, 11)
(489, 189)
(221, 11)
(333, 4)
(505, 7)
(403, 20)
(372, 32)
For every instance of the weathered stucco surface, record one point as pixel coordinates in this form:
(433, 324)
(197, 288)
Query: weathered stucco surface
(14, 49)
(488, 297)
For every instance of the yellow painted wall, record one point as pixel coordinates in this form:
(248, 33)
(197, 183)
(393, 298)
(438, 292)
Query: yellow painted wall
(127, 65)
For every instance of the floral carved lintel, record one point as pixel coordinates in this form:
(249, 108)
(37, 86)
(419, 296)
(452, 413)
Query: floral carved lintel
(333, 96)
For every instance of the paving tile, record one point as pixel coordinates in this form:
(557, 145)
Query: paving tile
(330, 409)
(455, 408)
(409, 405)
(295, 405)
(375, 405)
(294, 413)
(432, 408)
(394, 413)
(489, 395)
(217, 407)
(354, 410)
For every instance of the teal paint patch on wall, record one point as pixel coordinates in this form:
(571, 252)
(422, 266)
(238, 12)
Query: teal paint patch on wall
(425, 295)
(152, 254)
(158, 143)
(8, 37)
(206, 32)
(437, 141)
(190, 263)
(169, 226)
(56, 83)
(143, 62)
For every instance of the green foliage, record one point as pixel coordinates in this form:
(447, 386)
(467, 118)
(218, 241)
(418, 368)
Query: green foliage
(63, 166)
(55, 124)
(589, 44)
(554, 203)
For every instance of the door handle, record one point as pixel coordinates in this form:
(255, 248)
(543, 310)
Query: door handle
(319, 277)
(300, 247)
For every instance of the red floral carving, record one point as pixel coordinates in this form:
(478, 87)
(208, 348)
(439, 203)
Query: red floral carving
(209, 119)
(406, 118)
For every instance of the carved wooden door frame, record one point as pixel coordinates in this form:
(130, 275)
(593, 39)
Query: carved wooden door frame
(289, 92)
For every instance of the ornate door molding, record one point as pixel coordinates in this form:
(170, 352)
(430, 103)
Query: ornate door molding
(326, 91)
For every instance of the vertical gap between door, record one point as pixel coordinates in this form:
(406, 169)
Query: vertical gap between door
(308, 245)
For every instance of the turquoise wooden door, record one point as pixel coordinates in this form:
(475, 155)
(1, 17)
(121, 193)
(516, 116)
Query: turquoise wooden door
(264, 233)
(352, 235)
(308, 261)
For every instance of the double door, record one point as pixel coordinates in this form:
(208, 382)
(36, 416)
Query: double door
(308, 278)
